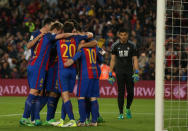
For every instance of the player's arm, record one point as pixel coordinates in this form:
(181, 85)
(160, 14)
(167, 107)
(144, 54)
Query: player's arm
(69, 62)
(111, 79)
(88, 34)
(31, 43)
(135, 65)
(135, 62)
(100, 58)
(112, 62)
(100, 53)
(135, 59)
(92, 43)
(65, 35)
(53, 37)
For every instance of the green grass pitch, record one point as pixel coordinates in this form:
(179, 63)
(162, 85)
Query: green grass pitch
(11, 109)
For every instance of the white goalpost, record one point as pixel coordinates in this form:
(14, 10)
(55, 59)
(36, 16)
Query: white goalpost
(159, 66)
(171, 73)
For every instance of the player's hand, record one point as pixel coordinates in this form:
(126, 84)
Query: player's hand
(102, 51)
(136, 76)
(68, 63)
(89, 34)
(111, 79)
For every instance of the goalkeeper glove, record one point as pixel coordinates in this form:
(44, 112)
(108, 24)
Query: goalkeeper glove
(136, 76)
(111, 79)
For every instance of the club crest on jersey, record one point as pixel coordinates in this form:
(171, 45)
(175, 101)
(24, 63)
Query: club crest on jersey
(41, 82)
(56, 86)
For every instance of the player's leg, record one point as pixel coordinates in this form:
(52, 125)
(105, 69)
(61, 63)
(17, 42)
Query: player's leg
(130, 94)
(29, 105)
(44, 93)
(82, 111)
(94, 111)
(99, 119)
(51, 87)
(43, 97)
(64, 86)
(88, 109)
(52, 106)
(37, 83)
(32, 98)
(68, 110)
(121, 93)
(81, 94)
(60, 82)
(94, 93)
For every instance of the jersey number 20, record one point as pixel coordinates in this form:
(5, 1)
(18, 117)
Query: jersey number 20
(65, 48)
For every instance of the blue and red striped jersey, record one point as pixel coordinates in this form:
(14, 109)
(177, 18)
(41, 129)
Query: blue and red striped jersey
(33, 36)
(89, 66)
(66, 48)
(41, 51)
(53, 56)
(99, 60)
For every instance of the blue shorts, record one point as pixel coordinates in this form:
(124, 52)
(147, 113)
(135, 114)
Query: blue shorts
(52, 82)
(88, 88)
(36, 77)
(66, 79)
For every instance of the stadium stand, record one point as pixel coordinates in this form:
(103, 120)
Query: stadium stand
(102, 17)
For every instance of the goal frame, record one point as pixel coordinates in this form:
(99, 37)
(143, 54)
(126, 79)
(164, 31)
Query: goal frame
(159, 66)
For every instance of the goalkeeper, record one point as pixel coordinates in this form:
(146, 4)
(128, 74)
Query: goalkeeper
(123, 58)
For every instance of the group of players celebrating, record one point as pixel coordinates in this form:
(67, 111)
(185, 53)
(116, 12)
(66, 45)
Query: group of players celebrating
(56, 52)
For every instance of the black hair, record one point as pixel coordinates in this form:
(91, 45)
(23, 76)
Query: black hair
(68, 27)
(76, 24)
(48, 21)
(122, 30)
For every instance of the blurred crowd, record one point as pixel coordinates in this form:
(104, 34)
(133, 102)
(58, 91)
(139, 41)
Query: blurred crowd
(18, 18)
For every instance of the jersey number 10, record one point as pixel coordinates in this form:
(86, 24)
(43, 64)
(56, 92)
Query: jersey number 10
(92, 56)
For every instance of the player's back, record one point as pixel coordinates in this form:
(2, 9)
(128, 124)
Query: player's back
(88, 63)
(66, 48)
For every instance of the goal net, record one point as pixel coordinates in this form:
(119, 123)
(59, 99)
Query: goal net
(176, 67)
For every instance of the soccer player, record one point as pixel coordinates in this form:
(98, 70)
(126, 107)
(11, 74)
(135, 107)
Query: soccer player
(36, 72)
(52, 93)
(88, 83)
(123, 58)
(102, 52)
(49, 94)
(51, 87)
(32, 44)
(66, 48)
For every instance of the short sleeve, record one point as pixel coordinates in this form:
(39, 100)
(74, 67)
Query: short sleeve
(81, 37)
(51, 37)
(135, 51)
(99, 56)
(113, 49)
(77, 55)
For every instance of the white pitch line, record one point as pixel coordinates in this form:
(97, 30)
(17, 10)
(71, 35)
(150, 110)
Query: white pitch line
(44, 113)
